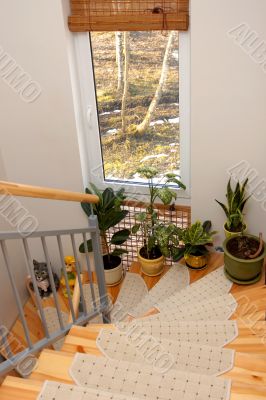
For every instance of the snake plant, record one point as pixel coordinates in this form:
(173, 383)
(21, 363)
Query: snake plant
(236, 201)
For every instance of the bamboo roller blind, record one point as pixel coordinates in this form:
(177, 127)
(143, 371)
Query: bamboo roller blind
(128, 15)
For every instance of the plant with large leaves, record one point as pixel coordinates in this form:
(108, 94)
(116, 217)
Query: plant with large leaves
(194, 239)
(158, 238)
(109, 213)
(236, 201)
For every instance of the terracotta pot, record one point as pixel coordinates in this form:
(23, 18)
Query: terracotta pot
(151, 267)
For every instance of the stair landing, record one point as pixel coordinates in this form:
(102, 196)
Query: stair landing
(248, 376)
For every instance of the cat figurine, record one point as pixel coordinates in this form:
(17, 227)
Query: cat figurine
(42, 277)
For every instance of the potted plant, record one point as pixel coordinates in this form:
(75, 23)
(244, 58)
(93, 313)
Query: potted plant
(243, 258)
(109, 213)
(194, 241)
(158, 238)
(236, 201)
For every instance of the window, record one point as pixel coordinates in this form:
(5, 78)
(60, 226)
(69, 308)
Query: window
(136, 77)
(139, 104)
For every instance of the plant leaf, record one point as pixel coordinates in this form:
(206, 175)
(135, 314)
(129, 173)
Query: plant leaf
(224, 208)
(119, 252)
(135, 228)
(82, 247)
(141, 216)
(108, 198)
(166, 195)
(178, 253)
(120, 237)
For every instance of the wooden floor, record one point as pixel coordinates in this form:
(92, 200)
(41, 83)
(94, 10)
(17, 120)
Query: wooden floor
(248, 376)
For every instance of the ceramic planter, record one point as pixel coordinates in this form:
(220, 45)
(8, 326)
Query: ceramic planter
(196, 262)
(83, 262)
(113, 275)
(151, 267)
(243, 272)
(229, 234)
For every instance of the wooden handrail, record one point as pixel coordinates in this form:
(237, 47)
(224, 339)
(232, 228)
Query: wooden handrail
(16, 189)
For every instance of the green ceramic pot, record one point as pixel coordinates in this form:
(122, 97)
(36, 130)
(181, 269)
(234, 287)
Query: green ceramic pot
(243, 272)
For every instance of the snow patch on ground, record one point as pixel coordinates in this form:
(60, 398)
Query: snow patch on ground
(173, 120)
(165, 121)
(110, 112)
(159, 122)
(111, 132)
(154, 156)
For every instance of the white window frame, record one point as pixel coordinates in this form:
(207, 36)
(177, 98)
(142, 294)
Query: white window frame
(88, 120)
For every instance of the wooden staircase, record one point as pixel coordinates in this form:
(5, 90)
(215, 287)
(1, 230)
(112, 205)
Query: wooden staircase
(248, 375)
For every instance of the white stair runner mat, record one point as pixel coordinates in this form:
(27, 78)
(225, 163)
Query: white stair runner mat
(176, 279)
(212, 333)
(211, 285)
(216, 309)
(62, 391)
(141, 380)
(132, 292)
(53, 325)
(89, 301)
(137, 347)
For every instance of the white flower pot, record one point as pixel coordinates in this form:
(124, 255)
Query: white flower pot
(83, 262)
(113, 276)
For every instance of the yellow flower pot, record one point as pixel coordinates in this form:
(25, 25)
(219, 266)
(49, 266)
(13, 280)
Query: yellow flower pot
(196, 262)
(151, 267)
(229, 234)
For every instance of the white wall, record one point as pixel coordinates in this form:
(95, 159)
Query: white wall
(228, 100)
(39, 143)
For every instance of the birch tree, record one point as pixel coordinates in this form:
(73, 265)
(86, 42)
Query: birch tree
(119, 60)
(126, 76)
(141, 128)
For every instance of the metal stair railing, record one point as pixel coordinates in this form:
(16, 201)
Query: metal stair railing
(98, 306)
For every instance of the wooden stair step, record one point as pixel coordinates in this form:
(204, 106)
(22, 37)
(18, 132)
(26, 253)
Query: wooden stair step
(249, 366)
(250, 338)
(18, 388)
(28, 389)
(249, 371)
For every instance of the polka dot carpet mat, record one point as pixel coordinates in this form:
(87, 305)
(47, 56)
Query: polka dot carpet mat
(132, 292)
(175, 354)
(211, 285)
(61, 391)
(217, 309)
(176, 279)
(142, 381)
(53, 325)
(212, 333)
(90, 301)
(136, 346)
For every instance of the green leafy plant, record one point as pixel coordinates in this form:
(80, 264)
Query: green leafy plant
(194, 239)
(159, 239)
(109, 213)
(236, 201)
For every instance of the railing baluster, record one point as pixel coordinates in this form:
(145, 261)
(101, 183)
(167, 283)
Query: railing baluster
(16, 294)
(93, 223)
(89, 270)
(35, 287)
(78, 273)
(60, 247)
(51, 278)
